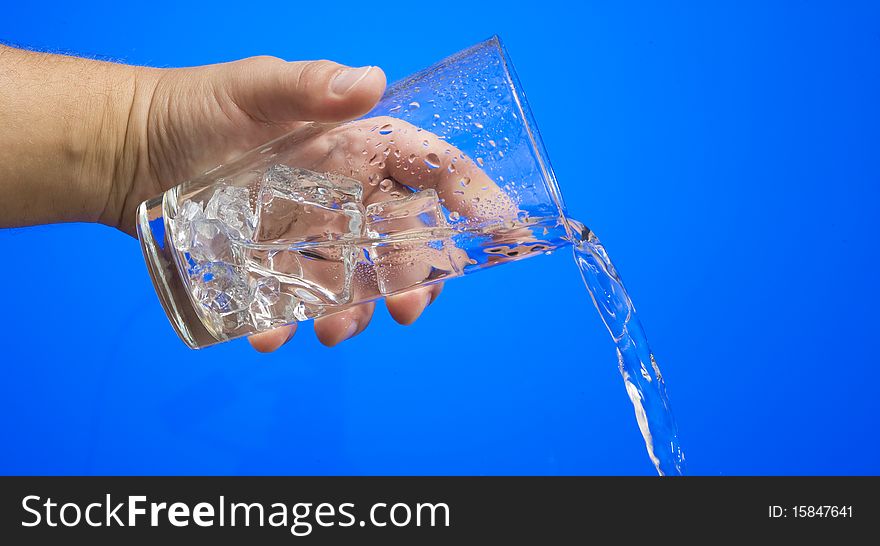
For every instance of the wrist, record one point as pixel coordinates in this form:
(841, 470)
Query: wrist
(112, 149)
(107, 148)
(68, 125)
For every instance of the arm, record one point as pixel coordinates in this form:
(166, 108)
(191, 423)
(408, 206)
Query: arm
(64, 124)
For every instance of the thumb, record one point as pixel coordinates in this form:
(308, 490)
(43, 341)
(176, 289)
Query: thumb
(273, 91)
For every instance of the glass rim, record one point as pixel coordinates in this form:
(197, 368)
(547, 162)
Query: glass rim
(531, 126)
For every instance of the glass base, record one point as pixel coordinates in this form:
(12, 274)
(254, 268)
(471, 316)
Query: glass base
(174, 296)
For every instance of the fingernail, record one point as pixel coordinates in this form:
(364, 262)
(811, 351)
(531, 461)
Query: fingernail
(346, 80)
(290, 332)
(349, 332)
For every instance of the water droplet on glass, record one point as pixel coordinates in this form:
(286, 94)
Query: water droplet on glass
(425, 143)
(454, 216)
(492, 143)
(432, 161)
(386, 184)
(458, 192)
(464, 182)
(386, 129)
(480, 161)
(414, 104)
(451, 168)
(412, 157)
(475, 200)
(478, 126)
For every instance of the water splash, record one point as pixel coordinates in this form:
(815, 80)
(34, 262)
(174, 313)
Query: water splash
(641, 375)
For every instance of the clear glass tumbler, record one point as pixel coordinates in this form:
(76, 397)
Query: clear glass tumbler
(446, 176)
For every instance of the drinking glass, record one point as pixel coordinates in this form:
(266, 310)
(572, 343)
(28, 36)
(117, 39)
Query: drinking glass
(447, 175)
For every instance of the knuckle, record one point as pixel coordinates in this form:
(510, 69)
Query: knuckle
(262, 60)
(317, 72)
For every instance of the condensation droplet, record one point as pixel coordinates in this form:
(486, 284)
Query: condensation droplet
(478, 125)
(492, 143)
(475, 200)
(480, 161)
(412, 157)
(432, 161)
(386, 129)
(464, 182)
(414, 104)
(451, 168)
(458, 192)
(454, 216)
(386, 184)
(425, 143)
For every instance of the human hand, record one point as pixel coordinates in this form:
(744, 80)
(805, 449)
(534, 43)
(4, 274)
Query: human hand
(154, 128)
(268, 98)
(97, 139)
(203, 116)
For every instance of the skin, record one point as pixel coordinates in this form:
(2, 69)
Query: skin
(88, 141)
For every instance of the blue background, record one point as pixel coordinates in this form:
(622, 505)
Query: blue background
(726, 154)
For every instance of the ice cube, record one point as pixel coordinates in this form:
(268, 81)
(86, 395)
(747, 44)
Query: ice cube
(411, 242)
(299, 205)
(311, 220)
(269, 307)
(320, 274)
(222, 291)
(210, 242)
(181, 225)
(266, 290)
(231, 206)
